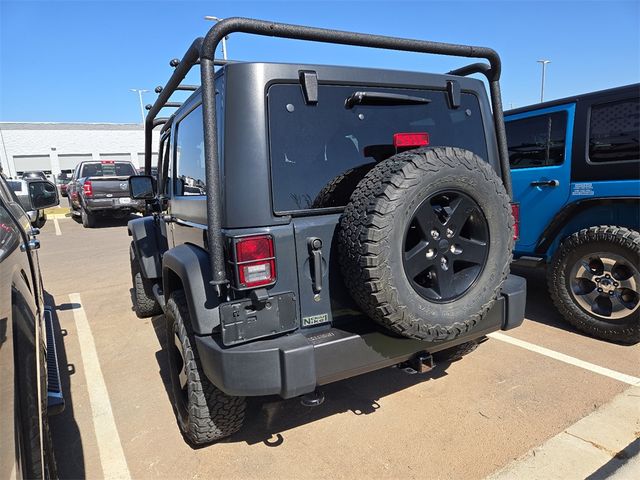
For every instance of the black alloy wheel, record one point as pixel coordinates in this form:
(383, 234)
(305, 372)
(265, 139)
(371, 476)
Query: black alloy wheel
(446, 246)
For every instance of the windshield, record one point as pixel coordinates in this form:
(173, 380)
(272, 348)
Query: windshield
(107, 169)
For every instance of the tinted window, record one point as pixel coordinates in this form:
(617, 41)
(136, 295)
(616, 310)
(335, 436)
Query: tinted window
(316, 147)
(108, 169)
(190, 179)
(537, 141)
(613, 131)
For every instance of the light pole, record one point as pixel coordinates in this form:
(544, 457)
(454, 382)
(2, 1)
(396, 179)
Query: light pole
(140, 92)
(544, 70)
(224, 39)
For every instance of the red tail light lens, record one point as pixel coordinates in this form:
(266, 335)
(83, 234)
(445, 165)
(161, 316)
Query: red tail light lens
(403, 140)
(515, 211)
(255, 261)
(87, 188)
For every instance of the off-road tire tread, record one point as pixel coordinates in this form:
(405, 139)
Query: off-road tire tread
(213, 415)
(627, 332)
(145, 303)
(363, 237)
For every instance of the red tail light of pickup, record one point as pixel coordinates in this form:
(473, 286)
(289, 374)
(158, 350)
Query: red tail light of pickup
(87, 188)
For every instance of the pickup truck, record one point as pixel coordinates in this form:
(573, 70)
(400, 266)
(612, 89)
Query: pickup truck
(99, 188)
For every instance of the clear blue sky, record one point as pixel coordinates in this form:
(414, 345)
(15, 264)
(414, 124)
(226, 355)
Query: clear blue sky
(76, 61)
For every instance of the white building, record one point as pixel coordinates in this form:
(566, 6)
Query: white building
(58, 147)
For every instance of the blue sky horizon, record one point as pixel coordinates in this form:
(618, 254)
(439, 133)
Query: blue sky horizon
(76, 61)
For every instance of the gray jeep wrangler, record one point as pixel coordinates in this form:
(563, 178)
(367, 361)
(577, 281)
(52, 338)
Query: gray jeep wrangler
(311, 223)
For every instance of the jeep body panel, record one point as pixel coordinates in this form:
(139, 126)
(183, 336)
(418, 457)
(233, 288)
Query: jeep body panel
(215, 188)
(296, 364)
(588, 192)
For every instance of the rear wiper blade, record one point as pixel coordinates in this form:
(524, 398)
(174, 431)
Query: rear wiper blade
(381, 98)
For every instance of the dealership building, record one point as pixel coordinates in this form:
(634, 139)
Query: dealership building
(58, 147)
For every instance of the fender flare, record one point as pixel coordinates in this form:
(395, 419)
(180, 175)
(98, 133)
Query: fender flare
(188, 267)
(554, 228)
(146, 235)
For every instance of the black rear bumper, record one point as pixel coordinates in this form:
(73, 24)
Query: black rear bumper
(106, 205)
(296, 364)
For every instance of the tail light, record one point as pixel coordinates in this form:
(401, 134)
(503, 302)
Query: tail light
(87, 188)
(403, 140)
(255, 261)
(515, 211)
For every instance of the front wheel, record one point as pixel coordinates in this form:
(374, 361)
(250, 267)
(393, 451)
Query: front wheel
(205, 413)
(144, 301)
(594, 282)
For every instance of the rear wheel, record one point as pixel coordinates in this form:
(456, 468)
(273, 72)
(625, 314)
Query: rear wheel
(88, 219)
(594, 281)
(205, 413)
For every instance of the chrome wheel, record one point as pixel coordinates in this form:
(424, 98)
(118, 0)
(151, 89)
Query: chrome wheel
(606, 285)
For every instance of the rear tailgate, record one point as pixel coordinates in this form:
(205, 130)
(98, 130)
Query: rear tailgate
(109, 187)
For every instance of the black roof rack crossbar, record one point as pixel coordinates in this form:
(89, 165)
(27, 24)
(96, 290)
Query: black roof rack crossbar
(160, 121)
(203, 50)
(472, 68)
(217, 62)
(189, 88)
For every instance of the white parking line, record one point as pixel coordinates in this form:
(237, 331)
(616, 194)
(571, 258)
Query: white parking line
(112, 459)
(621, 377)
(57, 225)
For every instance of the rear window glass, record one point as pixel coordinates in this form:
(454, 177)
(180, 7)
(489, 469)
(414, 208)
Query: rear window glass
(319, 152)
(15, 186)
(117, 169)
(613, 131)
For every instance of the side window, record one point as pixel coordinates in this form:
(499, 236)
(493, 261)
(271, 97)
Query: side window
(613, 131)
(189, 171)
(537, 141)
(163, 164)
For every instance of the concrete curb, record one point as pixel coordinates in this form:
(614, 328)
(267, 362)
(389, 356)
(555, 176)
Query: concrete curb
(604, 444)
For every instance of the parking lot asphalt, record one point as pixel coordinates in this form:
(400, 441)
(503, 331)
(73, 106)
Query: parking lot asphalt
(465, 420)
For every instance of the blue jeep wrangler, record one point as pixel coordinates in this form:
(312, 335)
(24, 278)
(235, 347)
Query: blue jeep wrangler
(576, 176)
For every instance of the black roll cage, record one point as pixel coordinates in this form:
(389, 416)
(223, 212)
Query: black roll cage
(202, 52)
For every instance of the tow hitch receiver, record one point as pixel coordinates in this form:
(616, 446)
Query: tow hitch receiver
(421, 363)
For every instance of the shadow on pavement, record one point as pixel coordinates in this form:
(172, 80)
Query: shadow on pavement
(539, 307)
(267, 418)
(67, 442)
(107, 221)
(619, 463)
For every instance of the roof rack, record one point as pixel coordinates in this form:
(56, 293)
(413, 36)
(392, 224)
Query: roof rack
(202, 52)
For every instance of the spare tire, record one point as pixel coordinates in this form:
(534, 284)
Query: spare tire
(425, 242)
(337, 192)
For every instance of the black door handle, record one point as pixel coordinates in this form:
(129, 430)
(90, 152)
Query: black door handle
(545, 183)
(315, 252)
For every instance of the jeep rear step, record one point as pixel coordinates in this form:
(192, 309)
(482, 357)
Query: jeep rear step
(55, 398)
(296, 364)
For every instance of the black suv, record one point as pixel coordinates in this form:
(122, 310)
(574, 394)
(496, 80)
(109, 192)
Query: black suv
(311, 223)
(29, 378)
